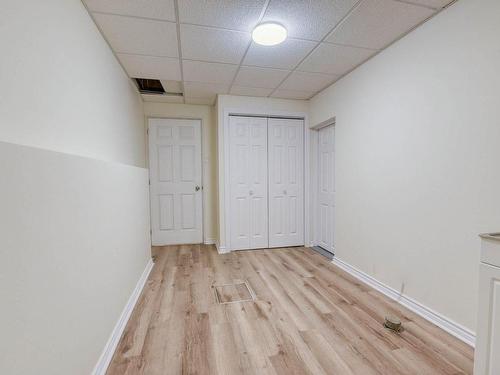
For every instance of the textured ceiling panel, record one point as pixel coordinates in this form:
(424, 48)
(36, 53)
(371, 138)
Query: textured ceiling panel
(215, 45)
(284, 56)
(437, 4)
(301, 81)
(306, 19)
(260, 77)
(376, 23)
(219, 56)
(139, 66)
(204, 90)
(250, 91)
(158, 9)
(172, 86)
(335, 59)
(139, 36)
(230, 14)
(290, 94)
(208, 72)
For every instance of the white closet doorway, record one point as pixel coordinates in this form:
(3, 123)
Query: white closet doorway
(266, 182)
(175, 181)
(325, 211)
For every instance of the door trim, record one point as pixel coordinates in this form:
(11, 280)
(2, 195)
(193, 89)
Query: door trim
(224, 245)
(314, 176)
(203, 190)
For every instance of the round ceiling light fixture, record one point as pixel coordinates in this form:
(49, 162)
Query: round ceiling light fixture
(269, 34)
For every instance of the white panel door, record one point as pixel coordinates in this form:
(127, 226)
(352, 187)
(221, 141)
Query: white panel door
(286, 182)
(175, 181)
(248, 182)
(326, 188)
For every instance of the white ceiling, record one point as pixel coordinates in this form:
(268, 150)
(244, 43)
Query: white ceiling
(204, 47)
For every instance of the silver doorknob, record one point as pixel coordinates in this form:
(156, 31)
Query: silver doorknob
(284, 192)
(197, 188)
(250, 192)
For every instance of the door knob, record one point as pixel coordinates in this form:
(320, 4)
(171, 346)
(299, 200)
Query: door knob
(197, 188)
(250, 192)
(284, 192)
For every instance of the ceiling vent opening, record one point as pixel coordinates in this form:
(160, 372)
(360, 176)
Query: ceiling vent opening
(149, 86)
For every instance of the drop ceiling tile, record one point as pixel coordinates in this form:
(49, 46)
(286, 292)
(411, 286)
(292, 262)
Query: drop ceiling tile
(230, 14)
(302, 81)
(158, 9)
(172, 86)
(283, 56)
(140, 66)
(308, 19)
(199, 71)
(139, 36)
(200, 101)
(377, 23)
(436, 4)
(250, 76)
(163, 98)
(335, 59)
(215, 45)
(291, 94)
(204, 89)
(250, 91)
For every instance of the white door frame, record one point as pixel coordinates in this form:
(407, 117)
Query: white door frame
(205, 240)
(224, 244)
(314, 175)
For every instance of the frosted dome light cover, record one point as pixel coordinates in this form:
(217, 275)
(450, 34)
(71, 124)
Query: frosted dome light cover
(269, 34)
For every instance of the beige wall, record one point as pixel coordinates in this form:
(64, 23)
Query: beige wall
(209, 150)
(74, 218)
(417, 153)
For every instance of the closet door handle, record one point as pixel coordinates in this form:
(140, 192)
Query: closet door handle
(250, 192)
(284, 192)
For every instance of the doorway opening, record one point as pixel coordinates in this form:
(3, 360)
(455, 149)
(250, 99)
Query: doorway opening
(324, 188)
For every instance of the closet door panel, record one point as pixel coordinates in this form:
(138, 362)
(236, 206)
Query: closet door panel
(248, 181)
(286, 182)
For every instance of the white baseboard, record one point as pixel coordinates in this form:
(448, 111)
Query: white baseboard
(209, 241)
(109, 350)
(220, 249)
(425, 312)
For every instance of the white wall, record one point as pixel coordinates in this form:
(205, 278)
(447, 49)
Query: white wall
(417, 151)
(245, 105)
(74, 220)
(62, 89)
(74, 240)
(209, 149)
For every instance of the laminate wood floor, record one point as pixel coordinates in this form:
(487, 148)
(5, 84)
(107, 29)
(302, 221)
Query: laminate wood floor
(308, 317)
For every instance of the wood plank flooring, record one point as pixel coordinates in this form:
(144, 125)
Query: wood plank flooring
(308, 317)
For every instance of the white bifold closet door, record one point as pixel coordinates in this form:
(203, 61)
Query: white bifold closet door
(248, 181)
(286, 182)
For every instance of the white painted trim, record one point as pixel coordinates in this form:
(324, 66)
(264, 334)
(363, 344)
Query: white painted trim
(425, 312)
(109, 350)
(209, 241)
(220, 249)
(224, 178)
